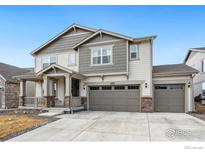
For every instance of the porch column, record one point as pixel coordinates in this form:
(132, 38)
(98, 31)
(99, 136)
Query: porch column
(45, 86)
(22, 92)
(67, 99)
(47, 101)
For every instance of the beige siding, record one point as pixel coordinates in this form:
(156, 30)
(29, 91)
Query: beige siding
(61, 48)
(39, 89)
(38, 63)
(30, 88)
(142, 69)
(195, 61)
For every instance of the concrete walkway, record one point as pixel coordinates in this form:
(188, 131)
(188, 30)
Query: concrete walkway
(119, 126)
(53, 112)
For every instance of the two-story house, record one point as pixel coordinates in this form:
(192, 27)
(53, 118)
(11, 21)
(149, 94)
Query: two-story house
(196, 59)
(106, 71)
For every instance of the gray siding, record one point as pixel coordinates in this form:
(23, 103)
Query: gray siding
(65, 43)
(119, 57)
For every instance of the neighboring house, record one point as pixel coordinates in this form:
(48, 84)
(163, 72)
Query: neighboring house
(9, 87)
(103, 70)
(196, 59)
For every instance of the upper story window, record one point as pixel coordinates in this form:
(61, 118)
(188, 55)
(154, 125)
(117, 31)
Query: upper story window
(101, 55)
(48, 60)
(203, 65)
(133, 52)
(71, 59)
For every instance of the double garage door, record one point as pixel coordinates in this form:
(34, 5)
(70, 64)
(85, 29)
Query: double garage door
(169, 98)
(114, 98)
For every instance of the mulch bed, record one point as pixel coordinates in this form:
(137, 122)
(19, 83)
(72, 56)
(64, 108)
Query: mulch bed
(198, 115)
(22, 111)
(30, 115)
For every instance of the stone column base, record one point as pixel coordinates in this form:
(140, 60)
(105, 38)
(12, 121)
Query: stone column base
(84, 101)
(67, 100)
(146, 104)
(21, 100)
(49, 101)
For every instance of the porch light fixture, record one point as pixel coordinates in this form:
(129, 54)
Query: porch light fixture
(145, 85)
(1, 88)
(83, 86)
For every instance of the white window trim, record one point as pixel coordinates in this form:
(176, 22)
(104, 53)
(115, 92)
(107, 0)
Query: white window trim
(203, 66)
(75, 59)
(91, 53)
(49, 59)
(137, 52)
(202, 85)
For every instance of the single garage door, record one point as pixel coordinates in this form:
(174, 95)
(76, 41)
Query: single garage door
(169, 98)
(114, 98)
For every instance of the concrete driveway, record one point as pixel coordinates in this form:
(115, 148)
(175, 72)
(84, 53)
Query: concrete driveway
(119, 126)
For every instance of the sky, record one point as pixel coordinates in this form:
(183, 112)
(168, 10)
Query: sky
(178, 28)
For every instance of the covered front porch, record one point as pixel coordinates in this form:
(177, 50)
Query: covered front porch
(55, 86)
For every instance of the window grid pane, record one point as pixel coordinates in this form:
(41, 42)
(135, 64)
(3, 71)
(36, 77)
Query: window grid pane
(71, 59)
(133, 51)
(101, 56)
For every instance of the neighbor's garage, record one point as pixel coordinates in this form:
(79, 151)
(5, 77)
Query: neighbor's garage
(114, 98)
(169, 98)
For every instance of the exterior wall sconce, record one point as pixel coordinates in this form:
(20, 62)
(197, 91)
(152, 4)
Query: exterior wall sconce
(83, 86)
(189, 84)
(1, 88)
(145, 85)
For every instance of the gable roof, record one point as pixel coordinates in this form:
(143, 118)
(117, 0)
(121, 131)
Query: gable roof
(8, 71)
(173, 69)
(60, 34)
(202, 49)
(105, 32)
(53, 66)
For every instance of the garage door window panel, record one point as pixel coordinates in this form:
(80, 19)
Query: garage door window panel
(106, 88)
(119, 87)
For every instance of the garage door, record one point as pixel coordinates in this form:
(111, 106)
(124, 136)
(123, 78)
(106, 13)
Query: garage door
(169, 98)
(114, 98)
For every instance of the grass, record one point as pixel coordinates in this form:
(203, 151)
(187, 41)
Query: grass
(13, 124)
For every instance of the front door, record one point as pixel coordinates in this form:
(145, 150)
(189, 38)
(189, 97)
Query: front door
(58, 92)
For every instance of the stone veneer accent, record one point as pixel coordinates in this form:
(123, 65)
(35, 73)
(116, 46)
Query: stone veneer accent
(84, 101)
(67, 101)
(146, 104)
(49, 101)
(12, 95)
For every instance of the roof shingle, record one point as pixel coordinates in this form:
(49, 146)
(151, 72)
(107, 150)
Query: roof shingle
(173, 69)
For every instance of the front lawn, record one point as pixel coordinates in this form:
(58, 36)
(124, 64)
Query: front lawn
(12, 125)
